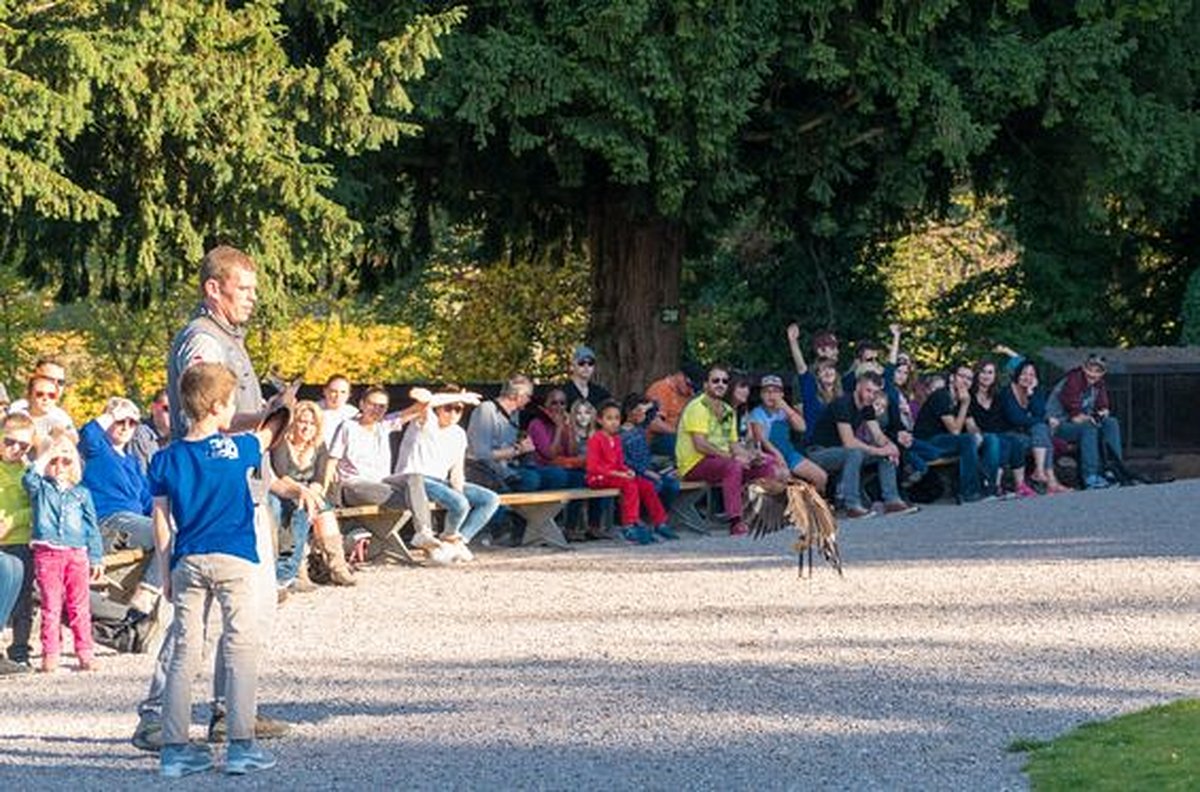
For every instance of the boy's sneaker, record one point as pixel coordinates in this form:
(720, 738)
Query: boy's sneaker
(665, 531)
(264, 728)
(244, 756)
(177, 761)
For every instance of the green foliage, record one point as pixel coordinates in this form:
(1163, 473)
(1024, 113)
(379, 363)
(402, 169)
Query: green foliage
(1157, 748)
(172, 125)
(1190, 334)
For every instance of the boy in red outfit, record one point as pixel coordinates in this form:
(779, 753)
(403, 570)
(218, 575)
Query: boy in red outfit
(606, 468)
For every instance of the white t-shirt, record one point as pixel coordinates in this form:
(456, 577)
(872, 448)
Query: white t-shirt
(55, 418)
(332, 419)
(363, 452)
(430, 450)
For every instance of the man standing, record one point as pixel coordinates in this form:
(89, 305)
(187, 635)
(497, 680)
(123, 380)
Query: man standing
(838, 445)
(216, 334)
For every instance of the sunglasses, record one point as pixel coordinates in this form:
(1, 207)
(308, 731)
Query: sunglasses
(60, 460)
(718, 381)
(126, 422)
(45, 394)
(585, 362)
(451, 408)
(10, 442)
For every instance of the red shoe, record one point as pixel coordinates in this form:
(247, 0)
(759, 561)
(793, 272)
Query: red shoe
(1025, 491)
(739, 528)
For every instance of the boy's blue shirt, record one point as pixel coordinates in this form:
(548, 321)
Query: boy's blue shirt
(206, 482)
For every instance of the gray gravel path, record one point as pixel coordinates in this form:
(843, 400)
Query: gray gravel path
(701, 664)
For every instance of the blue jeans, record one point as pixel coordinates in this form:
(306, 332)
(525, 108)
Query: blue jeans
(22, 610)
(467, 511)
(286, 514)
(12, 577)
(991, 455)
(1087, 437)
(851, 461)
(125, 529)
(963, 447)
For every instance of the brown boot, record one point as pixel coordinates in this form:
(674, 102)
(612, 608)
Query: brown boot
(330, 548)
(303, 584)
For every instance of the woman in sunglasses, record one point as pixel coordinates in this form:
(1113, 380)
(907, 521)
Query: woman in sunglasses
(41, 404)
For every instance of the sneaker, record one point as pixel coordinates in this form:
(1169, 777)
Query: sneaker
(666, 532)
(425, 541)
(442, 555)
(859, 513)
(462, 553)
(1025, 491)
(739, 528)
(1096, 482)
(148, 734)
(10, 668)
(264, 728)
(899, 507)
(244, 756)
(177, 761)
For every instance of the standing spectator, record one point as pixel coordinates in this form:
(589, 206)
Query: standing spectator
(707, 448)
(206, 540)
(16, 528)
(838, 446)
(1080, 401)
(1000, 448)
(580, 385)
(216, 333)
(815, 389)
(942, 424)
(121, 493)
(434, 452)
(153, 432)
(301, 504)
(772, 424)
(671, 394)
(606, 468)
(66, 548)
(1024, 405)
(335, 401)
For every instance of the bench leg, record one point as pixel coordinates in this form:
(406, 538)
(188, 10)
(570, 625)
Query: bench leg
(392, 546)
(540, 527)
(684, 513)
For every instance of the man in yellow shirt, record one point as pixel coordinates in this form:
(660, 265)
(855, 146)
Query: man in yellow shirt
(707, 447)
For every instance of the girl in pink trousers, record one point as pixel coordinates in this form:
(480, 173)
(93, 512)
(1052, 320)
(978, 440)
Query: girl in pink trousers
(65, 540)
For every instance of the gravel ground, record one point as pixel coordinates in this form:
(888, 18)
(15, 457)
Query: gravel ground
(699, 664)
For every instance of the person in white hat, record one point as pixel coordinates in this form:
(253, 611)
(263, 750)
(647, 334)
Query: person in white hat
(434, 449)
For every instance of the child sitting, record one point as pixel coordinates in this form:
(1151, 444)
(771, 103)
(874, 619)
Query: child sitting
(65, 539)
(606, 468)
(636, 414)
(200, 484)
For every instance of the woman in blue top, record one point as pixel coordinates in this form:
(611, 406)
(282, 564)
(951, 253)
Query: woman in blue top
(1023, 404)
(771, 427)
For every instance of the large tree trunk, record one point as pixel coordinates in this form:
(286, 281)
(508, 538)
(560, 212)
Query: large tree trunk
(637, 324)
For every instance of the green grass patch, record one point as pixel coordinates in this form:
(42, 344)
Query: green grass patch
(1156, 749)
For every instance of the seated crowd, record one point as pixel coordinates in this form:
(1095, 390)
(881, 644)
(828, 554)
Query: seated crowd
(86, 490)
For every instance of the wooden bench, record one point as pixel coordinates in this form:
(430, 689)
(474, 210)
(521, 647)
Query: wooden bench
(538, 509)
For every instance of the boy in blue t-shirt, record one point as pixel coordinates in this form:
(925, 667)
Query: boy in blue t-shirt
(200, 483)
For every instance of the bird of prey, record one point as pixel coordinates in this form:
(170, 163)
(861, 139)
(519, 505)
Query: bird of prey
(773, 505)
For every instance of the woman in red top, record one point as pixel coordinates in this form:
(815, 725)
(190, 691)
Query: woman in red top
(606, 468)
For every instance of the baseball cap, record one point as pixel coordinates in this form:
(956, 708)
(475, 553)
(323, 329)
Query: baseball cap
(770, 381)
(583, 352)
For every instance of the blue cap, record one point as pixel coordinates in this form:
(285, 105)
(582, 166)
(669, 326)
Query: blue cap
(583, 352)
